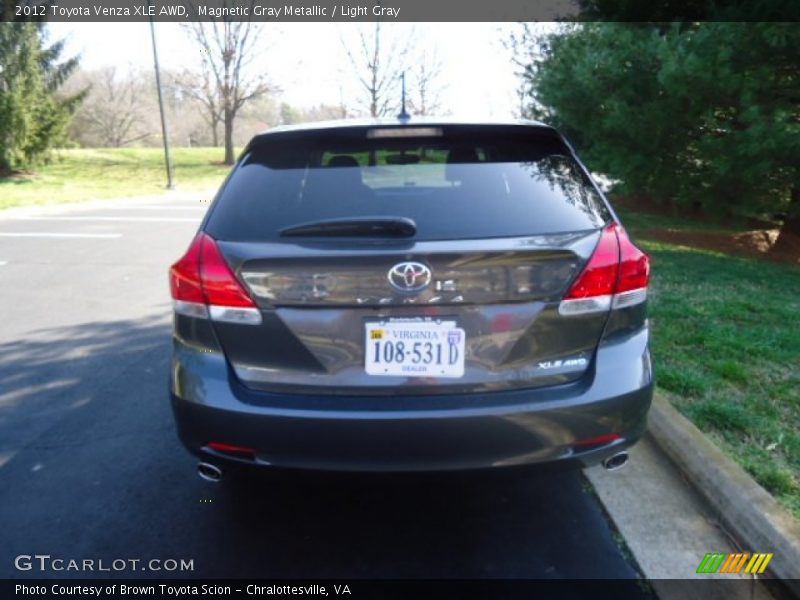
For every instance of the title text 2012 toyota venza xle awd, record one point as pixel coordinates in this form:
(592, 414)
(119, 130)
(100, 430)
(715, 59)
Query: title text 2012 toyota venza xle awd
(406, 296)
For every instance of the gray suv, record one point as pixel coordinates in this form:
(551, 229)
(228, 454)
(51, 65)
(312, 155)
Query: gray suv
(410, 296)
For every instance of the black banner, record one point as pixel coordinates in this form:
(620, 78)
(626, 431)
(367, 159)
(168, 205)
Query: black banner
(394, 10)
(387, 589)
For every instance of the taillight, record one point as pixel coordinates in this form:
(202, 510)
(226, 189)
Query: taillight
(616, 276)
(599, 277)
(219, 284)
(634, 273)
(203, 285)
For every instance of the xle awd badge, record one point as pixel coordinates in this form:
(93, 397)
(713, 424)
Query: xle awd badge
(409, 277)
(568, 362)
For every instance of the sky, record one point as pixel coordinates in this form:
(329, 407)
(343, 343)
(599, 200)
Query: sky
(308, 61)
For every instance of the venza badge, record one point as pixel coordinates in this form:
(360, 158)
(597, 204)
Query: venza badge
(410, 277)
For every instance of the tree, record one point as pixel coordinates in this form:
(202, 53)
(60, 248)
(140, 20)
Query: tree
(703, 114)
(33, 117)
(528, 50)
(201, 88)
(115, 111)
(425, 86)
(324, 112)
(377, 61)
(743, 80)
(289, 114)
(688, 11)
(228, 49)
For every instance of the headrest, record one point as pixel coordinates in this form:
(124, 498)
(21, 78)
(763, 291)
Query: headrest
(342, 160)
(462, 155)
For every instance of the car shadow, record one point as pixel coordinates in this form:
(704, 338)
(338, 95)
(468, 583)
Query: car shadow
(53, 372)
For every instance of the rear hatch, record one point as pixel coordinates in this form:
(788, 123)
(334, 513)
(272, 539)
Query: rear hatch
(408, 260)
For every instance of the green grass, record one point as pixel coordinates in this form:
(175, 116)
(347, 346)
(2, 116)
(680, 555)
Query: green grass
(726, 346)
(86, 174)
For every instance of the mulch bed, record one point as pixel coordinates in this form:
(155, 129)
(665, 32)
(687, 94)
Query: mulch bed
(758, 243)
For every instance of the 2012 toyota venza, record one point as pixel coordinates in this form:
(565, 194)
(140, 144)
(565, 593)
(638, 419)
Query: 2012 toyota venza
(403, 295)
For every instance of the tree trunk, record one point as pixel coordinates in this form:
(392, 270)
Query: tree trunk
(229, 156)
(789, 237)
(215, 134)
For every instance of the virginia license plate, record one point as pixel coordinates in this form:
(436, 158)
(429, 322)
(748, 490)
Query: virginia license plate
(414, 348)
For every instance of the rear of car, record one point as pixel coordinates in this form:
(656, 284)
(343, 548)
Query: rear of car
(403, 297)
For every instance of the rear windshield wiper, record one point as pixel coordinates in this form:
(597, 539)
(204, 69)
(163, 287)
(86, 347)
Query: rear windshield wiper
(355, 227)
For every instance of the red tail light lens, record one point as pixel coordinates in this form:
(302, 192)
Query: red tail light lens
(184, 276)
(599, 277)
(203, 285)
(202, 275)
(220, 285)
(634, 268)
(616, 276)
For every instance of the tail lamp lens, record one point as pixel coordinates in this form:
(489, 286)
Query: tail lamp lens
(616, 276)
(203, 284)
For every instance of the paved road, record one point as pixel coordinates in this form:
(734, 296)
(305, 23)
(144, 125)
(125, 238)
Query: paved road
(90, 466)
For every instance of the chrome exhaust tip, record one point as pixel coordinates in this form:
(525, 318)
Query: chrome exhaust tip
(615, 462)
(209, 472)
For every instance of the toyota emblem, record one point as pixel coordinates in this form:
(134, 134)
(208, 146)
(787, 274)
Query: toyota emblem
(410, 277)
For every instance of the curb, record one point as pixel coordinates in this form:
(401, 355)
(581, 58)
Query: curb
(745, 508)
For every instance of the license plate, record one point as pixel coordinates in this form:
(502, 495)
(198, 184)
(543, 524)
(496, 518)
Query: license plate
(414, 348)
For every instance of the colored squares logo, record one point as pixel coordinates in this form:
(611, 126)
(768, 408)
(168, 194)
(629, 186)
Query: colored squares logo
(738, 562)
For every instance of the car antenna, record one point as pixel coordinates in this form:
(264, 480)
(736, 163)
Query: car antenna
(403, 116)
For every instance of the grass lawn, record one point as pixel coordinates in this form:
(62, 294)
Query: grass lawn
(726, 345)
(86, 174)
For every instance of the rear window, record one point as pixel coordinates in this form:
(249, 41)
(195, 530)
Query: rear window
(453, 185)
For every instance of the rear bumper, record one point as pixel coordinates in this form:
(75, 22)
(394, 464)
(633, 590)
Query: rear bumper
(486, 430)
